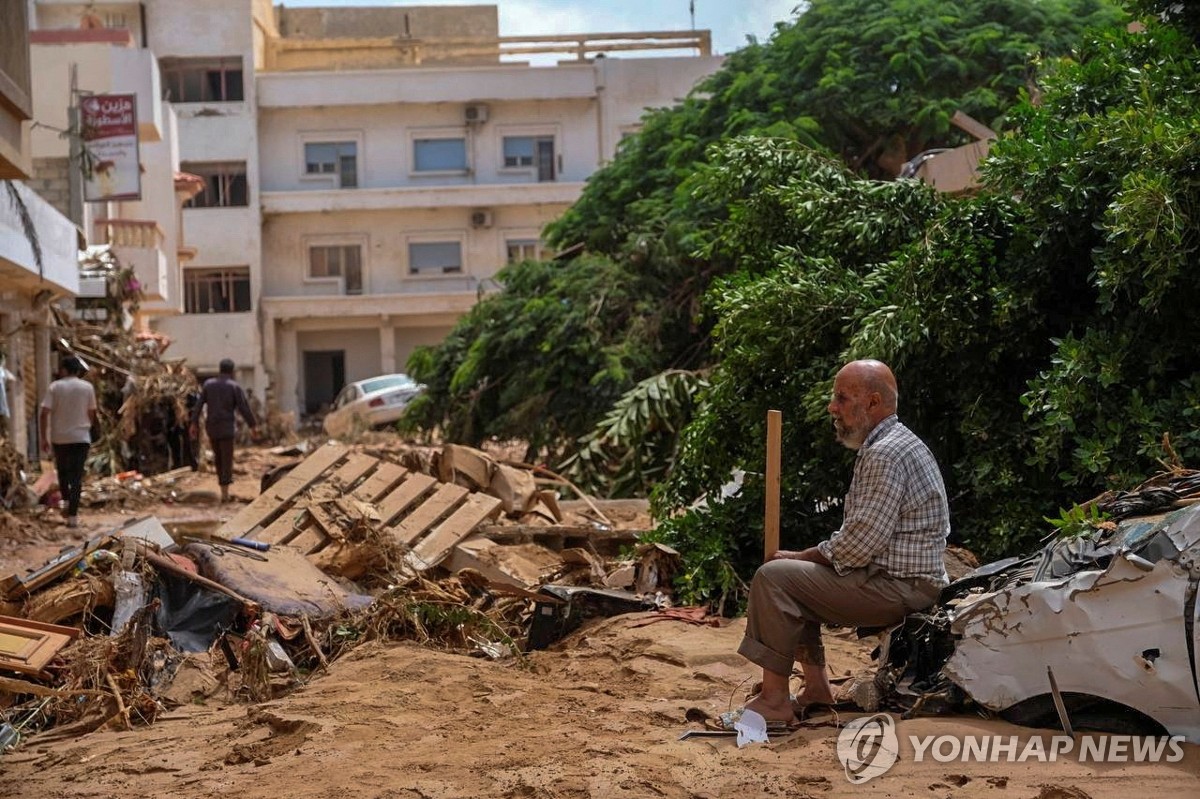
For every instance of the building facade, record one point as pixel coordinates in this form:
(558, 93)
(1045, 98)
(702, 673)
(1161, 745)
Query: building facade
(367, 171)
(39, 246)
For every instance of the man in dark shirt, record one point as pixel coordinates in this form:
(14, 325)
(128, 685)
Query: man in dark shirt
(224, 399)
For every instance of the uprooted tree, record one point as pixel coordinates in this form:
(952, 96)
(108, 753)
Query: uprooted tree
(1036, 328)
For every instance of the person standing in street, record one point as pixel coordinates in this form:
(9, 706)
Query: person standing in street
(225, 400)
(67, 415)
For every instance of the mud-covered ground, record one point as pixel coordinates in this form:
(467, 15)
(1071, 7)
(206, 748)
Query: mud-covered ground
(599, 716)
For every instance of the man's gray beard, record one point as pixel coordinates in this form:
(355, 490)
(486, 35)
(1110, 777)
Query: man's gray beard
(850, 442)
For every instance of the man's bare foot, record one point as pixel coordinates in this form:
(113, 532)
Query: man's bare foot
(772, 711)
(807, 698)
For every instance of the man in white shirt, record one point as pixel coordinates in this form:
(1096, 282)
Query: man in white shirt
(68, 412)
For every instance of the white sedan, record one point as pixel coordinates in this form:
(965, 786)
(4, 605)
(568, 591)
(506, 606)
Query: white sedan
(369, 403)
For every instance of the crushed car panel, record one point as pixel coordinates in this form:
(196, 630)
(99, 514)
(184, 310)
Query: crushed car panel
(1121, 627)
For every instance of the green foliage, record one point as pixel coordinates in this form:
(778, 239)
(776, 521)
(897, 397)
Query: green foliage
(1078, 521)
(544, 358)
(631, 448)
(873, 82)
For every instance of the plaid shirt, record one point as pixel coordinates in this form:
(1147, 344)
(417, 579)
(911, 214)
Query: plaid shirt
(896, 514)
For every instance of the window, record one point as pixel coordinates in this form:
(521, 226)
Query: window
(530, 151)
(222, 290)
(202, 80)
(434, 257)
(337, 261)
(333, 158)
(224, 184)
(440, 155)
(523, 250)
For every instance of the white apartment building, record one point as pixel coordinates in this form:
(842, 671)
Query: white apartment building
(38, 245)
(368, 170)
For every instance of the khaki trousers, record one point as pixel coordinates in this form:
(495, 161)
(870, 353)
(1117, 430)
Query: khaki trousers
(791, 599)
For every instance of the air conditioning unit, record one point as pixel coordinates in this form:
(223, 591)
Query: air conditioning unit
(476, 112)
(481, 217)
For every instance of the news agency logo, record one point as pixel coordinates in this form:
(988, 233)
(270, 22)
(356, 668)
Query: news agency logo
(868, 747)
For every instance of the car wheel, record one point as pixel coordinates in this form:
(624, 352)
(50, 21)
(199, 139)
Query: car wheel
(1087, 714)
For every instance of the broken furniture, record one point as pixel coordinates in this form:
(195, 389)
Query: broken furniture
(328, 506)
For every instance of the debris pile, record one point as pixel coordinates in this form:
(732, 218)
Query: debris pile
(340, 548)
(144, 400)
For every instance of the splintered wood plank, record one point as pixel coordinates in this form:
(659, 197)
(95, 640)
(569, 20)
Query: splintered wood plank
(267, 505)
(353, 470)
(433, 549)
(404, 496)
(285, 527)
(377, 485)
(413, 526)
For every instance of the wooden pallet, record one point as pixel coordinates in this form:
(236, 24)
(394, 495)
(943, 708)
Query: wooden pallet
(315, 506)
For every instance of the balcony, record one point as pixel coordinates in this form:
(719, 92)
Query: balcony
(439, 301)
(471, 195)
(57, 242)
(138, 245)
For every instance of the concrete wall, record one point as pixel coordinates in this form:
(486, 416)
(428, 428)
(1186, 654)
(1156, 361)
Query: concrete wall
(51, 179)
(204, 339)
(421, 22)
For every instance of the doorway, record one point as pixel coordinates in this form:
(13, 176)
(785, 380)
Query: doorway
(324, 377)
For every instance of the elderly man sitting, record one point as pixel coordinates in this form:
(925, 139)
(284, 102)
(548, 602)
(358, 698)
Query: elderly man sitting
(884, 562)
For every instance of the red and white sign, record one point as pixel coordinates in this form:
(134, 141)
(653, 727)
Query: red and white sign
(111, 168)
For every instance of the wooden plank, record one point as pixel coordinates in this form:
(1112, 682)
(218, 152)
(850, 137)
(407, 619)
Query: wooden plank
(771, 512)
(404, 496)
(285, 527)
(324, 528)
(267, 505)
(310, 539)
(355, 468)
(381, 482)
(413, 526)
(434, 548)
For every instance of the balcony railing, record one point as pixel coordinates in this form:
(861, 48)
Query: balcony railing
(286, 54)
(142, 234)
(138, 245)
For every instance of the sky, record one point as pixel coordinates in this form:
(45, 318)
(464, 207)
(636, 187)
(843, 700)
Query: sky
(730, 21)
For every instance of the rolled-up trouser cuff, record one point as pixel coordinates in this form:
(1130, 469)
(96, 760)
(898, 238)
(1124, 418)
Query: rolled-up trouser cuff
(772, 661)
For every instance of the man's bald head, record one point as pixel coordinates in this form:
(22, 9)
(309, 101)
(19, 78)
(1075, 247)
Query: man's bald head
(875, 377)
(864, 394)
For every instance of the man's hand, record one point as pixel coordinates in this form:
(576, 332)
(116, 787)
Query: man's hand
(812, 555)
(45, 447)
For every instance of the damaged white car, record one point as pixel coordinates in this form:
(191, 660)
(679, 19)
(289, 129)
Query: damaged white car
(1100, 632)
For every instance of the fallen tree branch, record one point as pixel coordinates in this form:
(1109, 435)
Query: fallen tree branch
(122, 709)
(168, 565)
(16, 686)
(312, 641)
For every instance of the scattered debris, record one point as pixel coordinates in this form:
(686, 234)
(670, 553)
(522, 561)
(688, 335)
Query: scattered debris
(342, 547)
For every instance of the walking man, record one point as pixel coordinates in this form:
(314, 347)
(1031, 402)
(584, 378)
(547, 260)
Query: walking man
(67, 415)
(224, 399)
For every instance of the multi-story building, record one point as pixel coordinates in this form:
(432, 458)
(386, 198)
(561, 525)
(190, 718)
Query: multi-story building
(368, 170)
(38, 245)
(145, 233)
